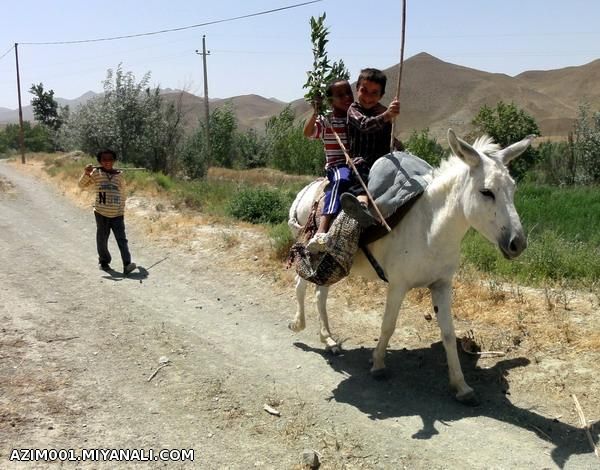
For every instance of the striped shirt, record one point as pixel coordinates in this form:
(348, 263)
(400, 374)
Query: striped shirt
(368, 134)
(110, 192)
(334, 155)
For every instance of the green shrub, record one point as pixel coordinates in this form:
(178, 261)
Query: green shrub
(258, 205)
(281, 240)
(164, 181)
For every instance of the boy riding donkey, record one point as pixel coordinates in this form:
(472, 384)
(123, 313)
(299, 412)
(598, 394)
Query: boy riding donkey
(327, 257)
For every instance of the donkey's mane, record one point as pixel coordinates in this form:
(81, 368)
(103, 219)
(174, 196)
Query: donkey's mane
(453, 167)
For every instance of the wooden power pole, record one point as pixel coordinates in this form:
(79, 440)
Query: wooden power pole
(21, 134)
(204, 53)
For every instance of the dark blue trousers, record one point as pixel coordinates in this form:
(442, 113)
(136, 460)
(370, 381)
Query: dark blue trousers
(103, 227)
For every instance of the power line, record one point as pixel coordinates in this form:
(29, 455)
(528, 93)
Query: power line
(265, 12)
(10, 49)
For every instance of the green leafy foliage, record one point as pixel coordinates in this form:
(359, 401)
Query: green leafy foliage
(132, 119)
(36, 138)
(249, 150)
(281, 240)
(45, 108)
(259, 205)
(194, 155)
(425, 147)
(555, 164)
(287, 148)
(222, 136)
(587, 146)
(323, 71)
(508, 124)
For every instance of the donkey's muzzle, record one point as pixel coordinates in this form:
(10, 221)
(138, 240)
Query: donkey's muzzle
(513, 245)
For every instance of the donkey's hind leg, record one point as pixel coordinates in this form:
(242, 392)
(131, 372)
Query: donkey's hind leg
(299, 321)
(324, 331)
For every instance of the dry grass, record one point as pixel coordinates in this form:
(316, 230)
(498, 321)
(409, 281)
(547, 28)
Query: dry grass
(258, 176)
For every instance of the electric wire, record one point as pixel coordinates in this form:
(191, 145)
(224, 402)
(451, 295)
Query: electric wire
(182, 28)
(10, 49)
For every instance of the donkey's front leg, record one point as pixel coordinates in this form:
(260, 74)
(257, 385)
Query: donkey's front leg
(441, 296)
(393, 302)
(324, 332)
(299, 321)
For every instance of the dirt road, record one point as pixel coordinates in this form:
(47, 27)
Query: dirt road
(78, 346)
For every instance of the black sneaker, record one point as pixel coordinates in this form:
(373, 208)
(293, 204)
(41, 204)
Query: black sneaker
(129, 268)
(105, 267)
(355, 209)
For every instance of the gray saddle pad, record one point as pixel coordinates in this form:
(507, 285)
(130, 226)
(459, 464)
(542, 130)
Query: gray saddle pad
(396, 178)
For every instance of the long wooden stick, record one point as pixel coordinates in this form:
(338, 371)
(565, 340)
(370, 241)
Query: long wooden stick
(124, 169)
(399, 71)
(362, 183)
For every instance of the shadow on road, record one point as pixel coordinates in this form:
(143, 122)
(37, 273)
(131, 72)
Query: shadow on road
(139, 274)
(417, 385)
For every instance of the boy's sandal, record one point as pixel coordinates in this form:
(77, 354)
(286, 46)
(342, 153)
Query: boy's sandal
(357, 210)
(317, 244)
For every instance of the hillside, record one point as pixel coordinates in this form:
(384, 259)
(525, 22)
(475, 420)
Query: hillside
(435, 94)
(438, 95)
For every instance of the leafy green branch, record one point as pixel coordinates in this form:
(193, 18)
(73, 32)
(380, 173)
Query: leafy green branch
(323, 71)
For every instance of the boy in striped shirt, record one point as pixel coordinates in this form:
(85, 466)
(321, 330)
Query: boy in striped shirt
(109, 208)
(339, 94)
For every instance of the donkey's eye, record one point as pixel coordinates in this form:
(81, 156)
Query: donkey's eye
(488, 193)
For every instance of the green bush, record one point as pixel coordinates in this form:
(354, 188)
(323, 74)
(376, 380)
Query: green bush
(164, 181)
(425, 147)
(36, 138)
(281, 240)
(258, 205)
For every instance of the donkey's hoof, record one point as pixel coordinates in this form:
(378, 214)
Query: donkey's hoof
(380, 374)
(295, 326)
(469, 399)
(336, 350)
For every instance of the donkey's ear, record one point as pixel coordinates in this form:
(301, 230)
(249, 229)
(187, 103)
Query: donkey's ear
(514, 150)
(463, 150)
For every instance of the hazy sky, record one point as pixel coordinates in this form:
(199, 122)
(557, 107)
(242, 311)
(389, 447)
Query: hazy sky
(269, 55)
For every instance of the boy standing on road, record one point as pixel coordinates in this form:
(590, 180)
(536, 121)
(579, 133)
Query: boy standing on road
(109, 208)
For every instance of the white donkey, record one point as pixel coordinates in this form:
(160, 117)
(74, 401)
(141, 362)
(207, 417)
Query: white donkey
(471, 189)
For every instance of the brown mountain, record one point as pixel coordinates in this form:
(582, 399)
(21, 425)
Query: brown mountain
(251, 111)
(437, 95)
(568, 85)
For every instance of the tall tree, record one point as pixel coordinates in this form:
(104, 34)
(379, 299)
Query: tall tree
(131, 118)
(45, 107)
(508, 124)
(587, 145)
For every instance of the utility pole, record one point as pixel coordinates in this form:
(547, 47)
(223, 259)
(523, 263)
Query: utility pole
(204, 53)
(21, 135)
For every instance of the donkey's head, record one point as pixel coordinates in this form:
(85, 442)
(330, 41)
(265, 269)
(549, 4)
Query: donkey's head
(488, 196)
